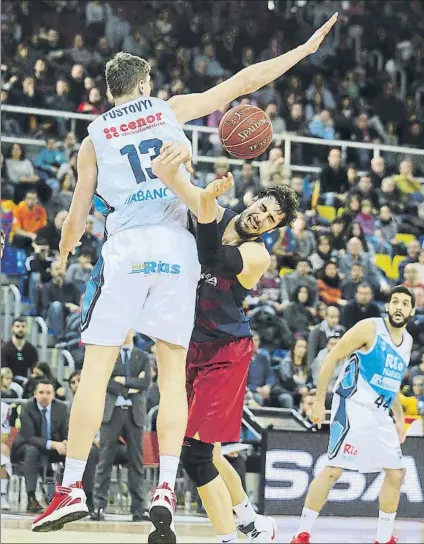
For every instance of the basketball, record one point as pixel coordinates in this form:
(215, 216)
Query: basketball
(245, 132)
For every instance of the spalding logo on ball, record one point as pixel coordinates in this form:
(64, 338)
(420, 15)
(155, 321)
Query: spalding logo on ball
(245, 132)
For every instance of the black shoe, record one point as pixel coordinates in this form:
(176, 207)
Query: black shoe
(141, 516)
(34, 507)
(97, 514)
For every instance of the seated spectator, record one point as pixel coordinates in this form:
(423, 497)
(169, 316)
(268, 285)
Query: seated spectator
(61, 100)
(293, 379)
(94, 105)
(21, 173)
(300, 314)
(405, 180)
(366, 218)
(275, 163)
(306, 405)
(413, 252)
(42, 437)
(28, 218)
(322, 126)
(272, 329)
(350, 285)
(246, 181)
(301, 276)
(74, 380)
(267, 291)
(377, 172)
(387, 224)
(38, 267)
(261, 376)
(277, 122)
(355, 230)
(18, 354)
(390, 195)
(316, 364)
(304, 240)
(323, 253)
(49, 159)
(365, 190)
(351, 210)
(361, 308)
(338, 242)
(329, 285)
(58, 298)
(319, 335)
(62, 200)
(414, 405)
(284, 247)
(89, 240)
(412, 278)
(52, 231)
(42, 370)
(333, 178)
(79, 272)
(7, 391)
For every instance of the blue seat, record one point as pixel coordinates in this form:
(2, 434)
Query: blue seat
(13, 261)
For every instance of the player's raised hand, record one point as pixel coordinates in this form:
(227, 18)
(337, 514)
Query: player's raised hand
(317, 38)
(218, 187)
(318, 413)
(175, 153)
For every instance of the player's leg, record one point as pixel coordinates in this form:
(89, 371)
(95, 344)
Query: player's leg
(389, 502)
(5, 474)
(258, 528)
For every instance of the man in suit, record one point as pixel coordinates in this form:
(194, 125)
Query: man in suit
(43, 436)
(124, 415)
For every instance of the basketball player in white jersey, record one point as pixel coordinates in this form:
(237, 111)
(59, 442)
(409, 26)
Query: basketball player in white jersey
(367, 422)
(147, 276)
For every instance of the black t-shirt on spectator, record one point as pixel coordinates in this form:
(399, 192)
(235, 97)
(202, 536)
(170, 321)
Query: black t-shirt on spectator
(51, 292)
(21, 361)
(333, 181)
(352, 313)
(51, 234)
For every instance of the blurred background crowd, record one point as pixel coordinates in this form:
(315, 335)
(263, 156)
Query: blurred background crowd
(361, 227)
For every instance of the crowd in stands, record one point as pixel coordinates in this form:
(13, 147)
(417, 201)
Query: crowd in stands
(333, 267)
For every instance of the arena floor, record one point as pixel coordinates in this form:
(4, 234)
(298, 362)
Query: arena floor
(118, 529)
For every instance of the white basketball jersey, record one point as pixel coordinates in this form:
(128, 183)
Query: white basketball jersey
(5, 418)
(373, 378)
(126, 140)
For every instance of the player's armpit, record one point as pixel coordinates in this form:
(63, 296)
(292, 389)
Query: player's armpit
(256, 260)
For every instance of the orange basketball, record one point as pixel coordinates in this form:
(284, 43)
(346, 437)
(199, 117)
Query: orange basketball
(245, 132)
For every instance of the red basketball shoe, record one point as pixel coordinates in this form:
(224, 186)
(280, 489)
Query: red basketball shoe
(301, 538)
(393, 540)
(68, 504)
(162, 509)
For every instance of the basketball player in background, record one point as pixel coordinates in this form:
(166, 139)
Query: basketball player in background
(149, 267)
(367, 422)
(233, 258)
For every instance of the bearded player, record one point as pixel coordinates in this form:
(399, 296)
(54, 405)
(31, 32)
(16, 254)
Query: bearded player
(367, 423)
(148, 268)
(233, 258)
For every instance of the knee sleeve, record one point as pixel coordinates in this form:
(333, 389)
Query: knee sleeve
(197, 460)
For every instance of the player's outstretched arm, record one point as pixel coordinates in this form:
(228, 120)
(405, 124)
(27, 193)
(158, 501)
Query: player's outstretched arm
(74, 225)
(360, 336)
(248, 80)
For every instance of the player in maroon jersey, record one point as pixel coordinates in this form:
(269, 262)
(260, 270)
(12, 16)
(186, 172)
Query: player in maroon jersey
(233, 258)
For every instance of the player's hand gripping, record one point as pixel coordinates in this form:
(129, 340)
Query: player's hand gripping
(317, 38)
(217, 187)
(318, 413)
(172, 155)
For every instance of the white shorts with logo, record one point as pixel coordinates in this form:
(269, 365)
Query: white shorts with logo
(146, 280)
(362, 439)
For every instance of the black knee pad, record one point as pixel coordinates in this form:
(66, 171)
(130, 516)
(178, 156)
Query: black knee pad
(197, 460)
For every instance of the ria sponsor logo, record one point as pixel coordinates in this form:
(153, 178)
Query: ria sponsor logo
(133, 127)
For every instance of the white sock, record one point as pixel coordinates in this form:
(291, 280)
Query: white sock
(231, 537)
(307, 520)
(3, 484)
(385, 526)
(74, 470)
(168, 467)
(245, 512)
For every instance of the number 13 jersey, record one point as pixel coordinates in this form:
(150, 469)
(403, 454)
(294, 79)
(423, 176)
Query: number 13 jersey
(373, 378)
(126, 139)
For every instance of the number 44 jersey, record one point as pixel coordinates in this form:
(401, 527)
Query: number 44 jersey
(126, 139)
(373, 378)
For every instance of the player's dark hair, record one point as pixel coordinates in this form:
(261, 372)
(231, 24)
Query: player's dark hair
(124, 72)
(286, 199)
(401, 289)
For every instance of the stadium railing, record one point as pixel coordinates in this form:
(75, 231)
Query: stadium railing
(288, 138)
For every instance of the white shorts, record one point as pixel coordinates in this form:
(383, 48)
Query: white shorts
(146, 280)
(362, 439)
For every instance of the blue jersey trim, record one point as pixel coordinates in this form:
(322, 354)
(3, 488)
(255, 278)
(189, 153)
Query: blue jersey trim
(339, 429)
(92, 293)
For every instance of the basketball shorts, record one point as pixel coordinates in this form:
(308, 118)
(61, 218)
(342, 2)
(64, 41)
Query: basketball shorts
(146, 280)
(216, 379)
(362, 439)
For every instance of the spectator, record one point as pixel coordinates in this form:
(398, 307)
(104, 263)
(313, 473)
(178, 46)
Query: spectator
(89, 240)
(58, 298)
(96, 17)
(329, 285)
(261, 376)
(300, 314)
(7, 391)
(323, 253)
(74, 380)
(77, 83)
(355, 230)
(293, 376)
(301, 276)
(356, 255)
(38, 267)
(337, 239)
(79, 272)
(390, 195)
(42, 437)
(72, 337)
(349, 286)
(272, 329)
(414, 405)
(296, 122)
(304, 239)
(70, 145)
(412, 278)
(277, 122)
(42, 370)
(363, 132)
(306, 405)
(333, 178)
(320, 333)
(18, 354)
(387, 225)
(321, 126)
(51, 232)
(117, 29)
(388, 107)
(246, 181)
(417, 370)
(21, 173)
(365, 190)
(136, 44)
(125, 413)
(361, 308)
(366, 218)
(49, 159)
(275, 163)
(62, 200)
(61, 101)
(413, 251)
(267, 291)
(351, 210)
(316, 364)
(284, 247)
(378, 171)
(94, 104)
(28, 218)
(405, 180)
